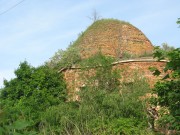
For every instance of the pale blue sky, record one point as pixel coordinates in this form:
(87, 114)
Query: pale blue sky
(35, 29)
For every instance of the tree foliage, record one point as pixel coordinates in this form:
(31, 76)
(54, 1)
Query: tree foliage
(178, 21)
(65, 59)
(104, 77)
(168, 89)
(162, 52)
(30, 93)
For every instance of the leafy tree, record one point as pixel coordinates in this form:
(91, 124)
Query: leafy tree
(162, 52)
(30, 93)
(168, 89)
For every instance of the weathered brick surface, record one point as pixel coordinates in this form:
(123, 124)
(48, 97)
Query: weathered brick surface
(75, 81)
(113, 38)
(143, 68)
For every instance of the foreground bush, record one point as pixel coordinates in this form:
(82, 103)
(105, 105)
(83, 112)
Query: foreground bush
(100, 112)
(28, 95)
(168, 90)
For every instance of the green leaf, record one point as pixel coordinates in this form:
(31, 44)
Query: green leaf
(21, 124)
(1, 130)
(159, 53)
(178, 21)
(155, 71)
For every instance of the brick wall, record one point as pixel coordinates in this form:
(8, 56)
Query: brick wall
(74, 80)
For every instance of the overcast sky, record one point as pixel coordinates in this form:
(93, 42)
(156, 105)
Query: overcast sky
(34, 30)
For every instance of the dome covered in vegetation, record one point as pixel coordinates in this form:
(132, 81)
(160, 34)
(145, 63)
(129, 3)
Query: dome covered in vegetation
(113, 38)
(110, 37)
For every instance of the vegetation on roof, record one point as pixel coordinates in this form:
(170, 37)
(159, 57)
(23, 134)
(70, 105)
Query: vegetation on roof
(72, 55)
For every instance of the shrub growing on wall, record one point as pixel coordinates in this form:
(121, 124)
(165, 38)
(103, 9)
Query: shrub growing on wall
(106, 105)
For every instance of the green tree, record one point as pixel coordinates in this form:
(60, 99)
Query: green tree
(162, 52)
(168, 89)
(30, 93)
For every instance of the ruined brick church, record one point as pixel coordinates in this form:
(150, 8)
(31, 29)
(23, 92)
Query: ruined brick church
(116, 39)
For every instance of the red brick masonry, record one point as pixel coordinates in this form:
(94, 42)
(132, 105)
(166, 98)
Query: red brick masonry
(74, 80)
